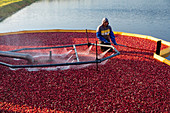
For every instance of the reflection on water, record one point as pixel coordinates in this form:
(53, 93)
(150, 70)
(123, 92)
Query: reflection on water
(134, 16)
(168, 57)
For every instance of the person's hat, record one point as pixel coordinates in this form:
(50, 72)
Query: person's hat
(105, 20)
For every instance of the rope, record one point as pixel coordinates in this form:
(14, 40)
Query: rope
(136, 48)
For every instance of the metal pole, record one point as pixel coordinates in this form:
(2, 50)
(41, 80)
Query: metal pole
(76, 53)
(158, 47)
(47, 65)
(87, 38)
(50, 57)
(47, 47)
(96, 57)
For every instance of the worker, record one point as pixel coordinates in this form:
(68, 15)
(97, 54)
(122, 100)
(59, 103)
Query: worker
(104, 33)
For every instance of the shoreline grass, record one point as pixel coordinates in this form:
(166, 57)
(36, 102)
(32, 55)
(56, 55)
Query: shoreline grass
(9, 7)
(6, 2)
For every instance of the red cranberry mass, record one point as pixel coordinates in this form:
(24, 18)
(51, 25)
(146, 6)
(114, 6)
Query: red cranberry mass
(130, 82)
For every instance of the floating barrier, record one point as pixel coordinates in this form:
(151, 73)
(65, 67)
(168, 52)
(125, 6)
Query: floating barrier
(13, 54)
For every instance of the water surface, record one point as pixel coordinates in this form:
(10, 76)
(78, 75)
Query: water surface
(148, 17)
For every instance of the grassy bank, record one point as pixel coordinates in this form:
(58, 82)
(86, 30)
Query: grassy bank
(9, 7)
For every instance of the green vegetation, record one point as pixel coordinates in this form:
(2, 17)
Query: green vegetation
(7, 10)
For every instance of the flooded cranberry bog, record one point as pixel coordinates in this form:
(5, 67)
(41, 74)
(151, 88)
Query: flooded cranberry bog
(133, 81)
